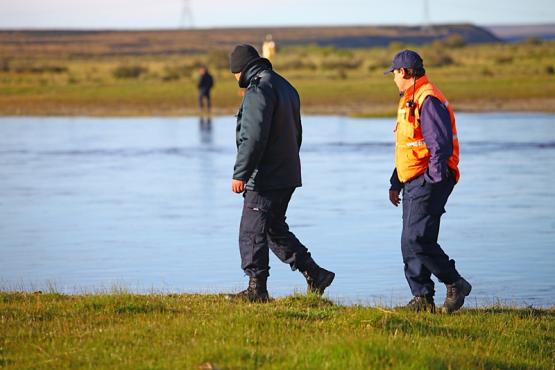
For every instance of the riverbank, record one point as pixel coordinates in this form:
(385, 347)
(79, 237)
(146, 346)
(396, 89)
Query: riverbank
(47, 108)
(475, 78)
(126, 331)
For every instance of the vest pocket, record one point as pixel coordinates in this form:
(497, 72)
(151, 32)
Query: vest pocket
(419, 152)
(406, 129)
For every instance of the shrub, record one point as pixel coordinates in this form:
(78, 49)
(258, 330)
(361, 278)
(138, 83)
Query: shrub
(170, 76)
(533, 41)
(437, 58)
(52, 69)
(454, 41)
(185, 70)
(296, 64)
(176, 72)
(503, 59)
(397, 46)
(329, 50)
(549, 70)
(379, 63)
(486, 72)
(173, 73)
(4, 65)
(342, 74)
(31, 68)
(219, 59)
(341, 63)
(129, 71)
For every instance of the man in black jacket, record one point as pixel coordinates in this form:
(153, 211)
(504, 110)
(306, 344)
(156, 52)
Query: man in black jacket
(267, 171)
(205, 83)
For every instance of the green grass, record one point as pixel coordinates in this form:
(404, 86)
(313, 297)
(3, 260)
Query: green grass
(331, 81)
(125, 331)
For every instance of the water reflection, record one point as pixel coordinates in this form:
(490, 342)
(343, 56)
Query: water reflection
(205, 128)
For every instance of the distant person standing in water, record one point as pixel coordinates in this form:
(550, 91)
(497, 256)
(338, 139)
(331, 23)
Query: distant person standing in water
(267, 171)
(205, 83)
(426, 170)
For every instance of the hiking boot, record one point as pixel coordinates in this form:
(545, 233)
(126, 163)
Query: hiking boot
(421, 304)
(256, 292)
(317, 278)
(455, 295)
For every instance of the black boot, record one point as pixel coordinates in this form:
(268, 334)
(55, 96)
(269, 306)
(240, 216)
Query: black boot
(421, 304)
(317, 278)
(455, 295)
(256, 292)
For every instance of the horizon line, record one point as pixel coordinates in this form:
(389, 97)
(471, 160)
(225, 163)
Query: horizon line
(208, 28)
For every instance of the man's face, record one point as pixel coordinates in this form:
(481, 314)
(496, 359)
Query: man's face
(399, 79)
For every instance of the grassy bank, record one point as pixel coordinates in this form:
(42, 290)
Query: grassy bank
(123, 331)
(511, 77)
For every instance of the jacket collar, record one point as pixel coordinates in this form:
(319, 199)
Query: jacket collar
(408, 93)
(252, 69)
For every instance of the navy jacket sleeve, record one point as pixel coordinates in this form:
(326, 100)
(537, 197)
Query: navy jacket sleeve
(438, 135)
(256, 120)
(396, 184)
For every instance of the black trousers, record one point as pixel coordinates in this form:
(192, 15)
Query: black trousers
(202, 96)
(263, 227)
(423, 205)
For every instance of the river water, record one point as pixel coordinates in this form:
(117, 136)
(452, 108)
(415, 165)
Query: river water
(144, 204)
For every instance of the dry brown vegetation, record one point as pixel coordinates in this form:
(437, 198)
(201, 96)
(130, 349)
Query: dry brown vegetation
(110, 43)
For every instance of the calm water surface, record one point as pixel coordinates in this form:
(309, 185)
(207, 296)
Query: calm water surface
(88, 204)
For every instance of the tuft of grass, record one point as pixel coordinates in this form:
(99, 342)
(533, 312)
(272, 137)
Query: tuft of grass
(129, 71)
(169, 331)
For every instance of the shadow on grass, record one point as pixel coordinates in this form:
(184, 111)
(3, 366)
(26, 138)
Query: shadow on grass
(480, 363)
(523, 313)
(415, 325)
(137, 308)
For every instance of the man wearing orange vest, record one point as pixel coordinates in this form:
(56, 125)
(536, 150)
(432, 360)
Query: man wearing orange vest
(426, 170)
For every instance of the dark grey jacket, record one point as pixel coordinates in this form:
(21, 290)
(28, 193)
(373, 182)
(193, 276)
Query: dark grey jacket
(205, 83)
(269, 130)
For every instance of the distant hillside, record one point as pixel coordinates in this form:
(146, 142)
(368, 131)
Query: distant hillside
(107, 43)
(515, 33)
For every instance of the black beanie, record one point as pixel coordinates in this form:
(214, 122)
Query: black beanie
(241, 56)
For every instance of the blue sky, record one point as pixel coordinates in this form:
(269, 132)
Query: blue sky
(78, 14)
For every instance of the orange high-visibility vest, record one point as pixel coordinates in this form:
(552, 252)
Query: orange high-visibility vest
(411, 154)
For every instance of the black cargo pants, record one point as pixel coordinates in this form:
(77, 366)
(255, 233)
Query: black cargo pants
(263, 227)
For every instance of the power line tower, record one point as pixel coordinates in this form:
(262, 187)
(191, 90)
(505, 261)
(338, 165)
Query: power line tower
(426, 15)
(186, 15)
(426, 21)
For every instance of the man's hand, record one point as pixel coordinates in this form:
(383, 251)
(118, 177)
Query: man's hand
(237, 186)
(394, 197)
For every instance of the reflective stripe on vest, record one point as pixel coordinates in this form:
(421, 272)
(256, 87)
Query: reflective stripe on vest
(416, 143)
(422, 142)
